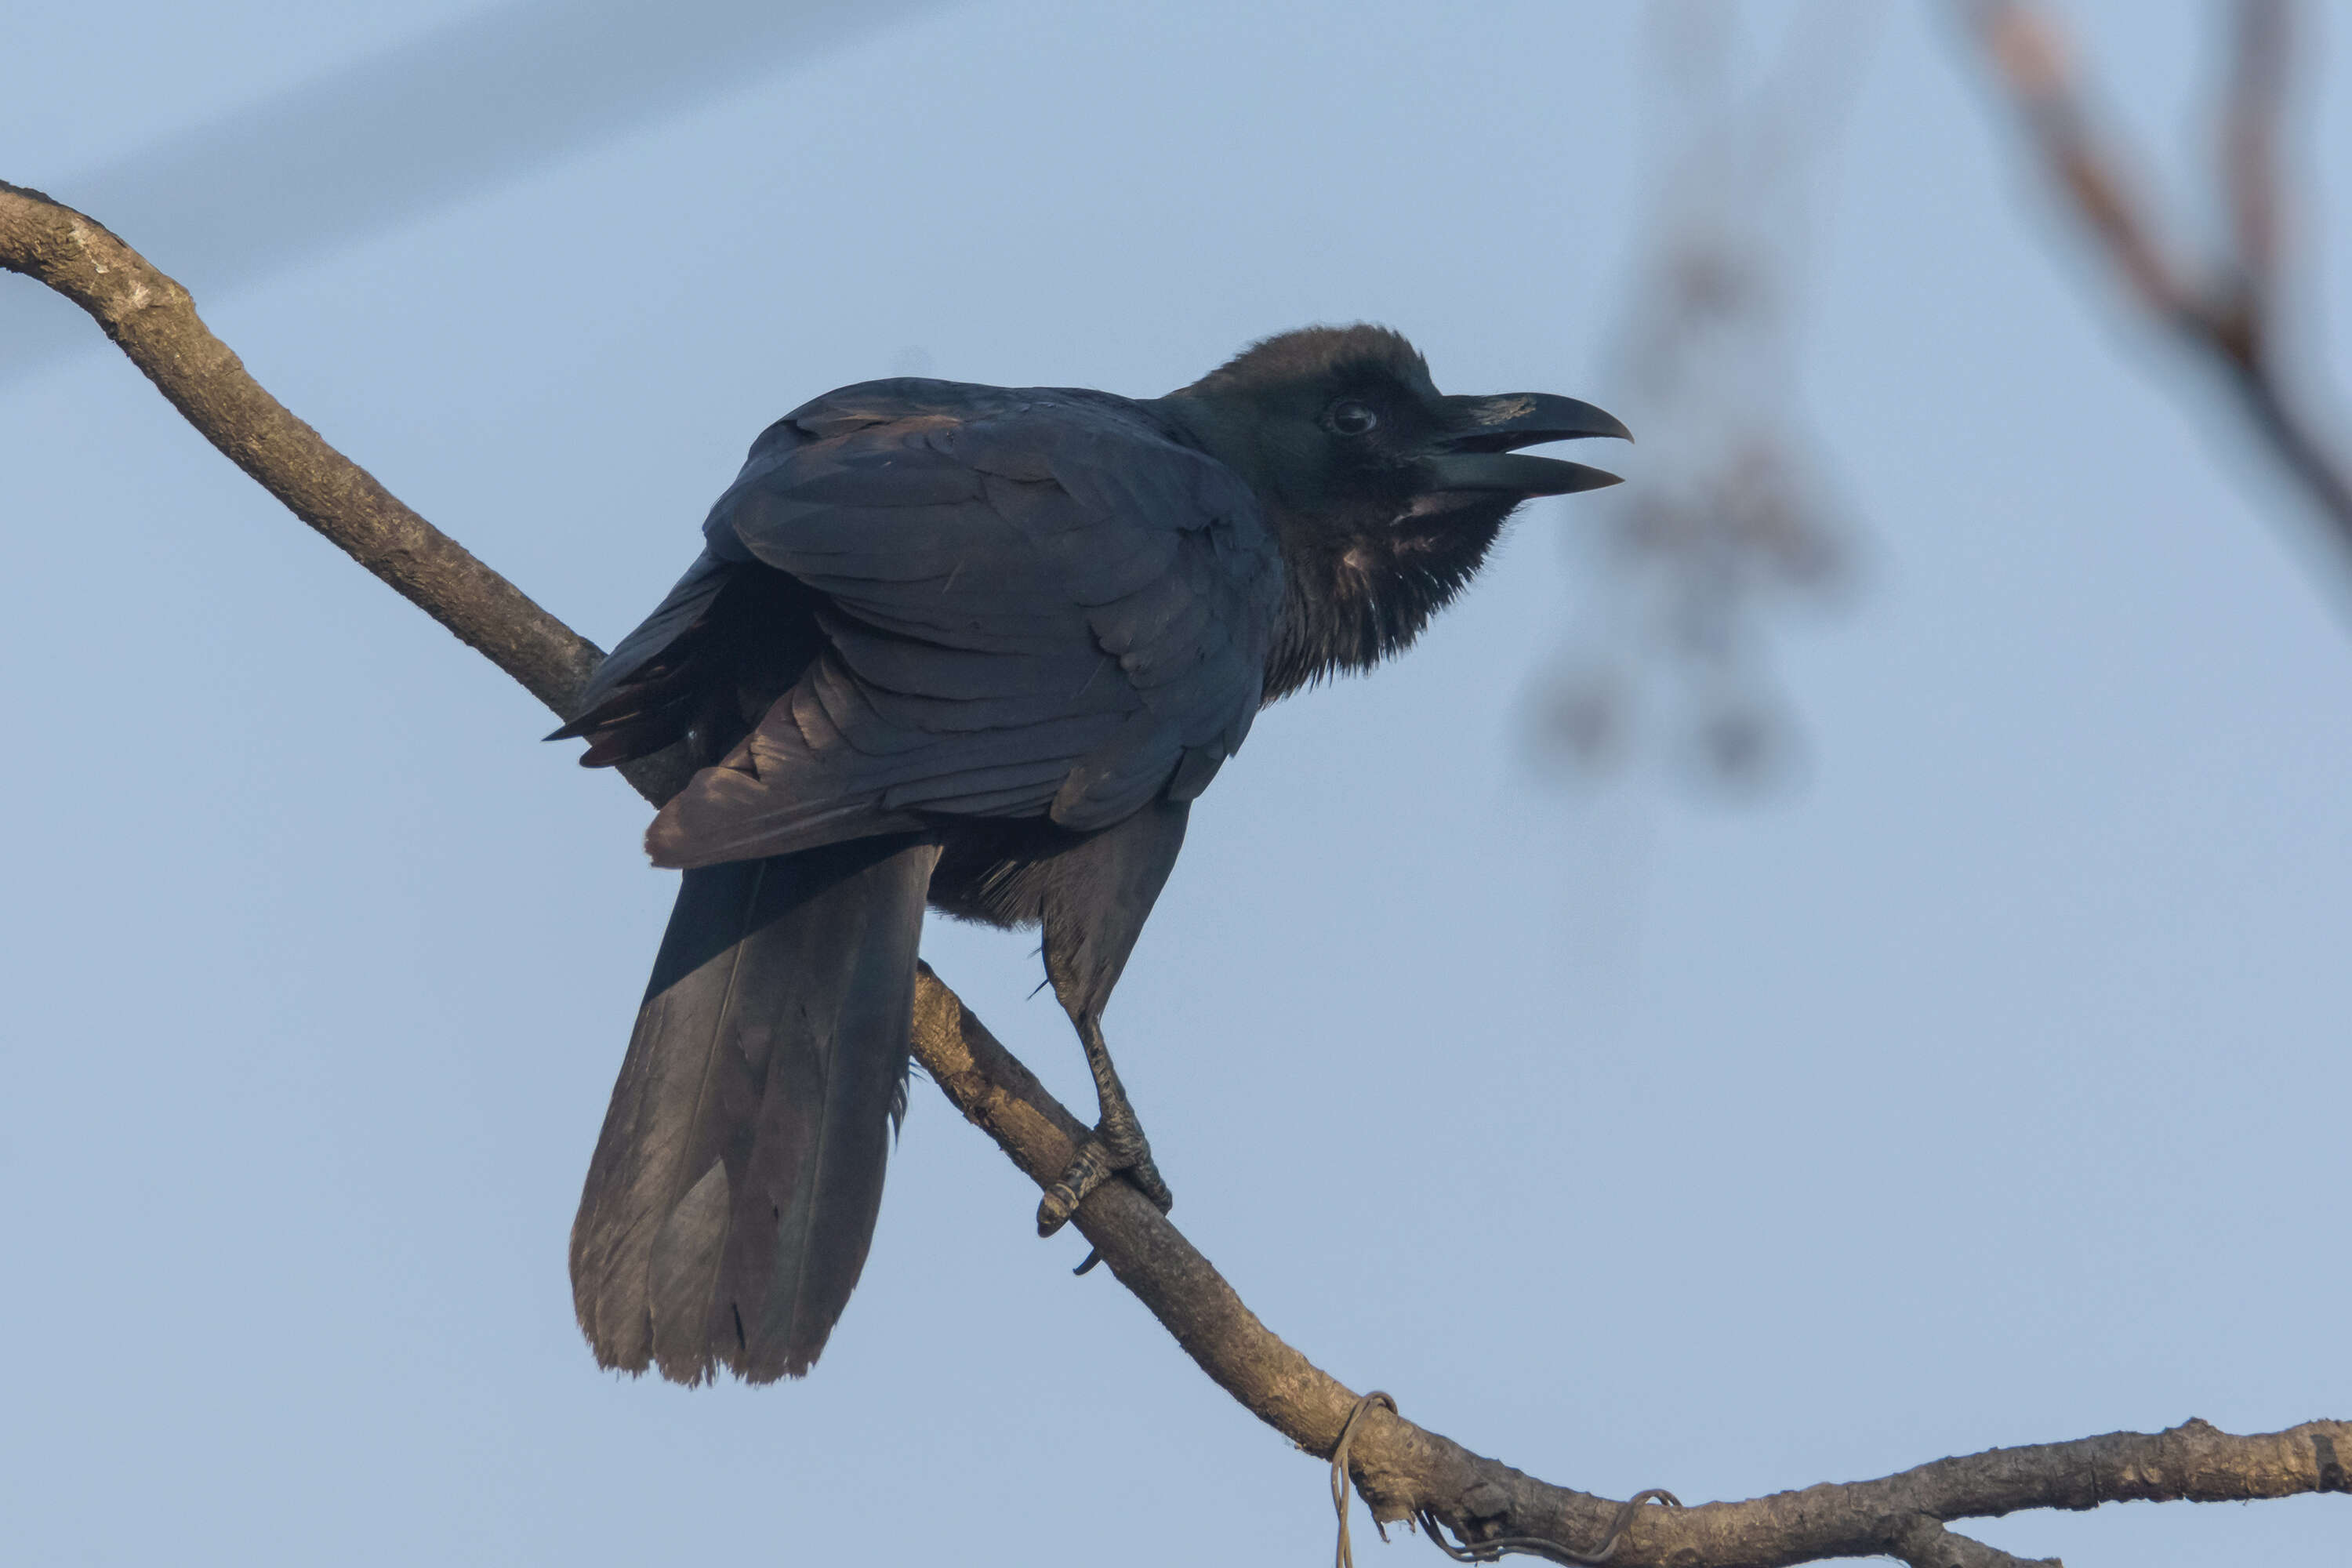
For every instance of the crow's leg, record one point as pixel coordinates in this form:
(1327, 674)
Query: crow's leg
(1117, 1148)
(1095, 896)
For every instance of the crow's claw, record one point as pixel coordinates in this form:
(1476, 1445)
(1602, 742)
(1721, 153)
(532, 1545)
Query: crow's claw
(1117, 1148)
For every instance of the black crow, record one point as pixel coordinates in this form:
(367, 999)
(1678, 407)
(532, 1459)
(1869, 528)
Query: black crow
(977, 646)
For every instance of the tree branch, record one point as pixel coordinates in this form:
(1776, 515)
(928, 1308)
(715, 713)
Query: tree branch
(1926, 1544)
(2225, 317)
(1404, 1471)
(153, 322)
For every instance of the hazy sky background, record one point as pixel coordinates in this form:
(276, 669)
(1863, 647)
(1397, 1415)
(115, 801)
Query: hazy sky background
(1987, 1086)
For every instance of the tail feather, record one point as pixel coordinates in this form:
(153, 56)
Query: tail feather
(734, 1188)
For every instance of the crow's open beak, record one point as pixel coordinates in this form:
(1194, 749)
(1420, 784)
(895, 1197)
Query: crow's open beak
(1479, 452)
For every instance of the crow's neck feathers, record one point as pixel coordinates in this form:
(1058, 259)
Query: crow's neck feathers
(1367, 555)
(1353, 596)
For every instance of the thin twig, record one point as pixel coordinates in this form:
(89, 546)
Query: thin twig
(2254, 103)
(1344, 1556)
(1404, 1469)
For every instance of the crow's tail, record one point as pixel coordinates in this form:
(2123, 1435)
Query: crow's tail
(734, 1187)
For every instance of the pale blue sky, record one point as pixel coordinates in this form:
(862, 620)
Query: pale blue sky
(1988, 1088)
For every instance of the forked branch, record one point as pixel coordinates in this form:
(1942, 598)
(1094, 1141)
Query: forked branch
(2224, 312)
(1403, 1470)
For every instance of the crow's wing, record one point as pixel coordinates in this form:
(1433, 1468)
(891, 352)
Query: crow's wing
(664, 677)
(1032, 603)
(652, 687)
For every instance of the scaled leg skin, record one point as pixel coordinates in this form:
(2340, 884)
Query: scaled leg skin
(1095, 903)
(1118, 1146)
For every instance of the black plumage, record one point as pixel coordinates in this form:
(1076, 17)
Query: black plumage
(979, 647)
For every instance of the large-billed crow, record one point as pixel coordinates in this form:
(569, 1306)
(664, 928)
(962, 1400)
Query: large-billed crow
(977, 646)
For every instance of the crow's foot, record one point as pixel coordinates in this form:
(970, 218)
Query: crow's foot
(1117, 1148)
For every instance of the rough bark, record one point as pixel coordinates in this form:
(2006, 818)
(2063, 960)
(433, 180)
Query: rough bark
(1403, 1470)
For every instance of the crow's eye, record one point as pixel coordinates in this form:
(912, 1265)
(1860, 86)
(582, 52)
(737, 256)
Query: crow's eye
(1353, 418)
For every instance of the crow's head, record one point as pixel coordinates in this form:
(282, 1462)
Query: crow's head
(1386, 493)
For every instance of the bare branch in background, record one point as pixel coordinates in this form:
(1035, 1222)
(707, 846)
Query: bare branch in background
(1403, 1470)
(2224, 308)
(1733, 517)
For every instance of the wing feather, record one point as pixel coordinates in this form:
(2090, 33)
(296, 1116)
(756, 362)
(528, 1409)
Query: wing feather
(1032, 603)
